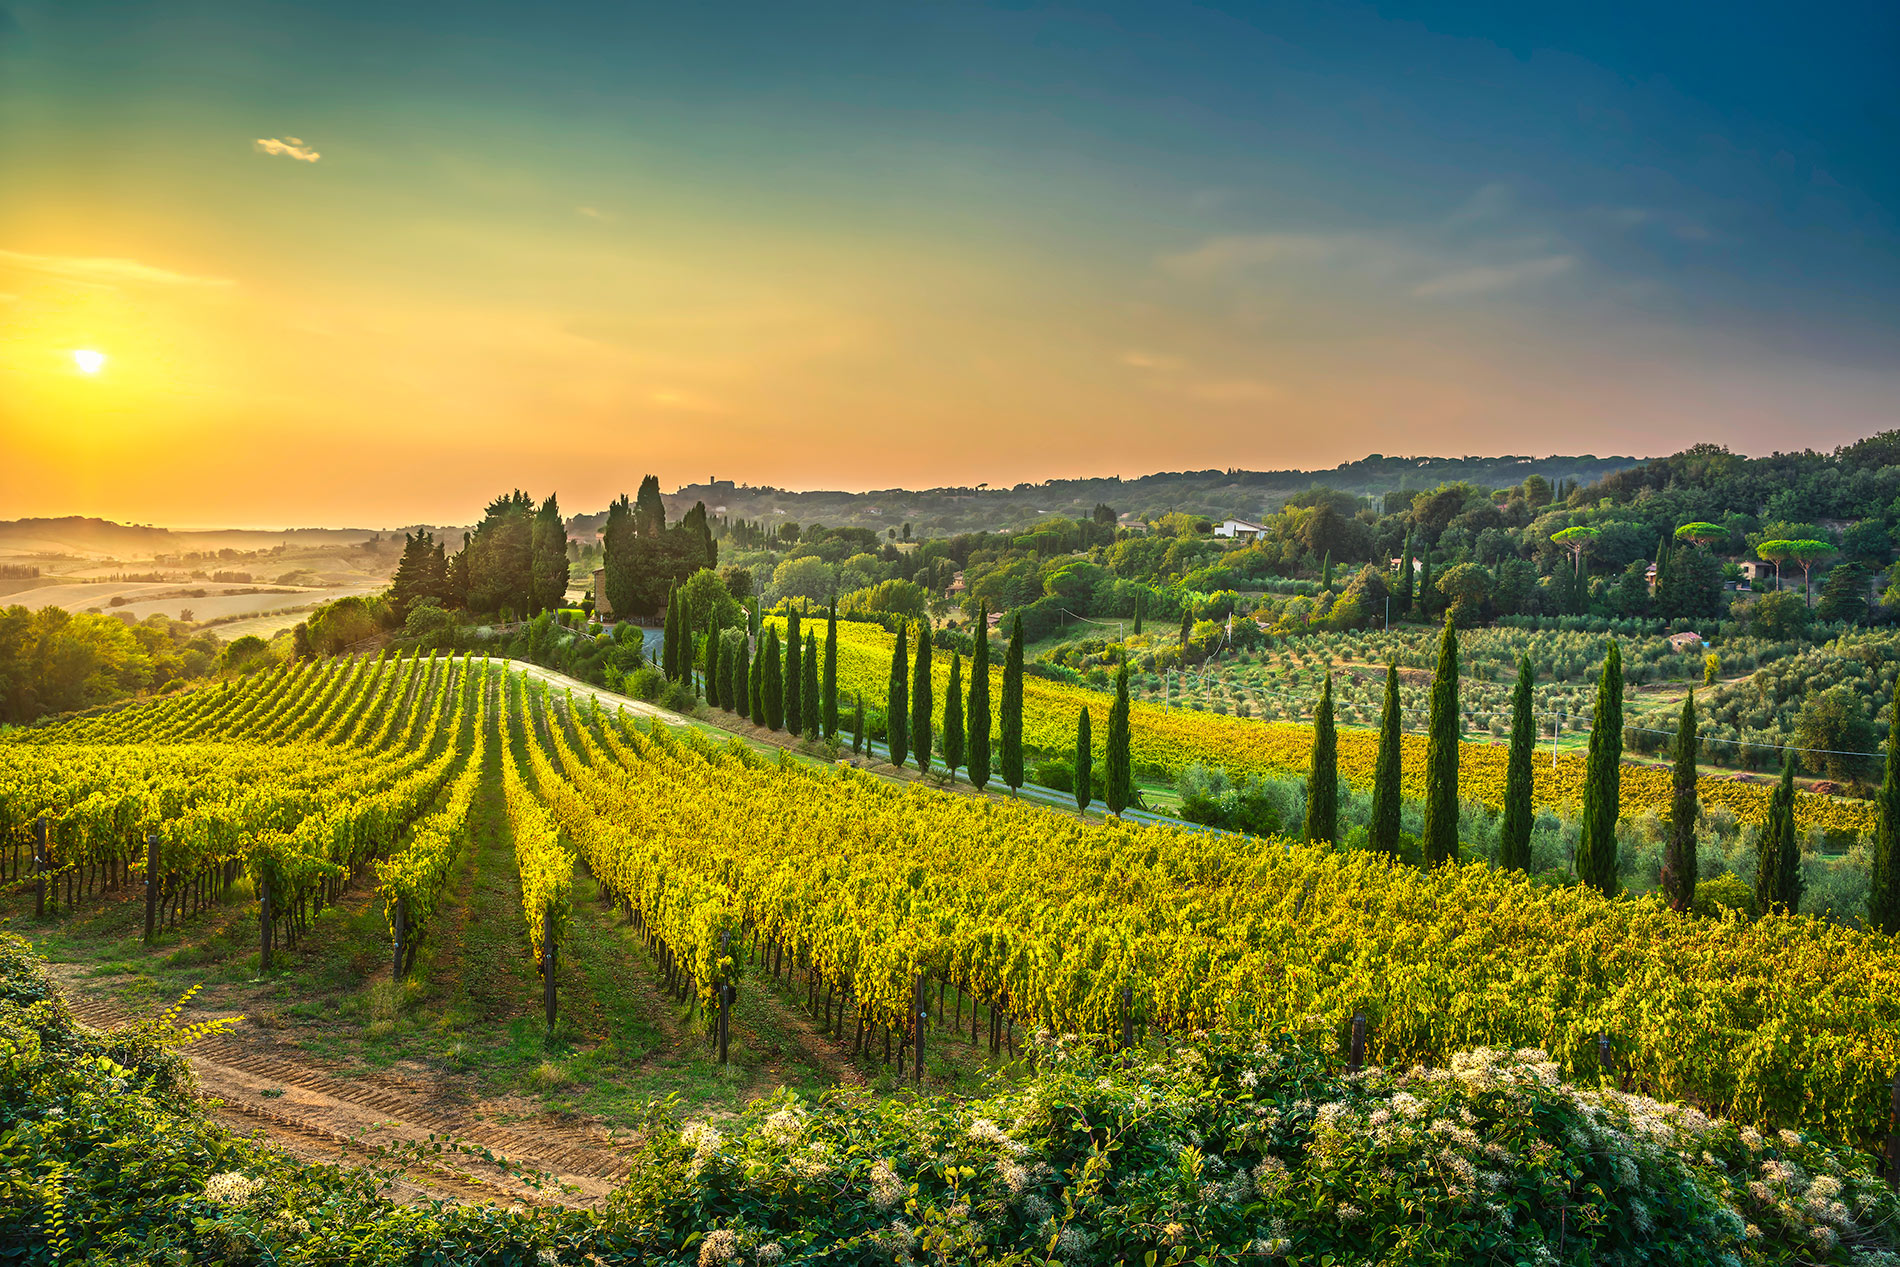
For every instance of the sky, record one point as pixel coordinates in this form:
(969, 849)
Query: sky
(372, 263)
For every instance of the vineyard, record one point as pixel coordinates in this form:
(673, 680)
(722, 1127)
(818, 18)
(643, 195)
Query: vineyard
(1171, 739)
(898, 900)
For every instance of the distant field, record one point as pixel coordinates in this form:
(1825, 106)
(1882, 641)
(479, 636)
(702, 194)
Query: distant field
(144, 598)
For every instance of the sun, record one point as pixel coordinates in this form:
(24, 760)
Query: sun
(89, 361)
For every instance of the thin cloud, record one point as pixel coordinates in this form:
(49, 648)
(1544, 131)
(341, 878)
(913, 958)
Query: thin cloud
(593, 213)
(1137, 359)
(288, 146)
(1488, 279)
(105, 270)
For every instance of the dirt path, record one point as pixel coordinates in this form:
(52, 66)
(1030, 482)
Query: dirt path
(600, 694)
(324, 1111)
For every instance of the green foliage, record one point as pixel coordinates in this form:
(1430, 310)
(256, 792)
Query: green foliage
(897, 704)
(1883, 893)
(1833, 730)
(1440, 835)
(1603, 781)
(952, 738)
(978, 712)
(1084, 761)
(829, 684)
(809, 724)
(1382, 833)
(772, 682)
(1514, 834)
(1011, 719)
(52, 661)
(1679, 863)
(794, 675)
(921, 702)
(1778, 879)
(1322, 779)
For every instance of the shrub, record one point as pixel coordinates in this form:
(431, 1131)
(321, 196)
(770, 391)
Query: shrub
(1726, 892)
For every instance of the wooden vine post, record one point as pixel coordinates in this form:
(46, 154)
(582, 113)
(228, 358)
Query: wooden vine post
(922, 1010)
(547, 962)
(1893, 1134)
(725, 998)
(400, 923)
(39, 866)
(151, 886)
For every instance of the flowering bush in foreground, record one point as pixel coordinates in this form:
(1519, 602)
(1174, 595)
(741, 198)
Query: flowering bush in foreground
(1221, 1151)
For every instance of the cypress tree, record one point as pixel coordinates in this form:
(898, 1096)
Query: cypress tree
(808, 689)
(1326, 572)
(953, 716)
(670, 640)
(1603, 781)
(1119, 792)
(1425, 585)
(1679, 860)
(1405, 578)
(773, 689)
(741, 677)
(1187, 627)
(1440, 840)
(1137, 615)
(1322, 777)
(794, 676)
(1084, 762)
(1778, 857)
(1382, 833)
(711, 659)
(757, 692)
(1883, 890)
(920, 702)
(830, 683)
(978, 729)
(896, 728)
(1013, 705)
(718, 673)
(1514, 836)
(857, 724)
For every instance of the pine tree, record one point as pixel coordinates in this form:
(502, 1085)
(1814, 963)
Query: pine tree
(811, 721)
(830, 683)
(920, 702)
(1013, 705)
(1322, 777)
(953, 716)
(1883, 891)
(1440, 836)
(1679, 857)
(1382, 833)
(1119, 792)
(857, 724)
(896, 724)
(773, 690)
(1778, 857)
(1514, 836)
(794, 676)
(1404, 596)
(1603, 781)
(1084, 762)
(978, 714)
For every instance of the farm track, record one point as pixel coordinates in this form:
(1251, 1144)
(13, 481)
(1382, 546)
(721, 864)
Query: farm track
(328, 1112)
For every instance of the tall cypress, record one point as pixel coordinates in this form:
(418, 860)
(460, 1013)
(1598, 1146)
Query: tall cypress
(1137, 630)
(920, 702)
(718, 671)
(857, 723)
(1322, 776)
(773, 689)
(1603, 780)
(830, 683)
(1514, 836)
(756, 695)
(1440, 842)
(1084, 762)
(953, 716)
(1425, 585)
(742, 677)
(1778, 857)
(711, 660)
(1326, 572)
(1013, 705)
(979, 710)
(1119, 792)
(1679, 857)
(896, 727)
(810, 722)
(1187, 626)
(1382, 833)
(1883, 890)
(794, 676)
(670, 639)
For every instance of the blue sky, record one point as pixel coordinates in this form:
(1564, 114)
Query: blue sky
(891, 243)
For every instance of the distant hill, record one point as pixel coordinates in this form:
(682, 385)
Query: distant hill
(87, 538)
(1216, 493)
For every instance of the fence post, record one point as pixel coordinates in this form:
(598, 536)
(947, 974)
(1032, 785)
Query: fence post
(1356, 1057)
(923, 1014)
(151, 886)
(39, 866)
(401, 922)
(264, 922)
(547, 961)
(1127, 1020)
(1893, 1134)
(725, 997)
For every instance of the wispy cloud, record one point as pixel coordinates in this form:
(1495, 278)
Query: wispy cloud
(1484, 279)
(289, 147)
(593, 213)
(1134, 358)
(105, 270)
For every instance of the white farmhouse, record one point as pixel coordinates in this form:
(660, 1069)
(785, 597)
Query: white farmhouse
(1240, 529)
